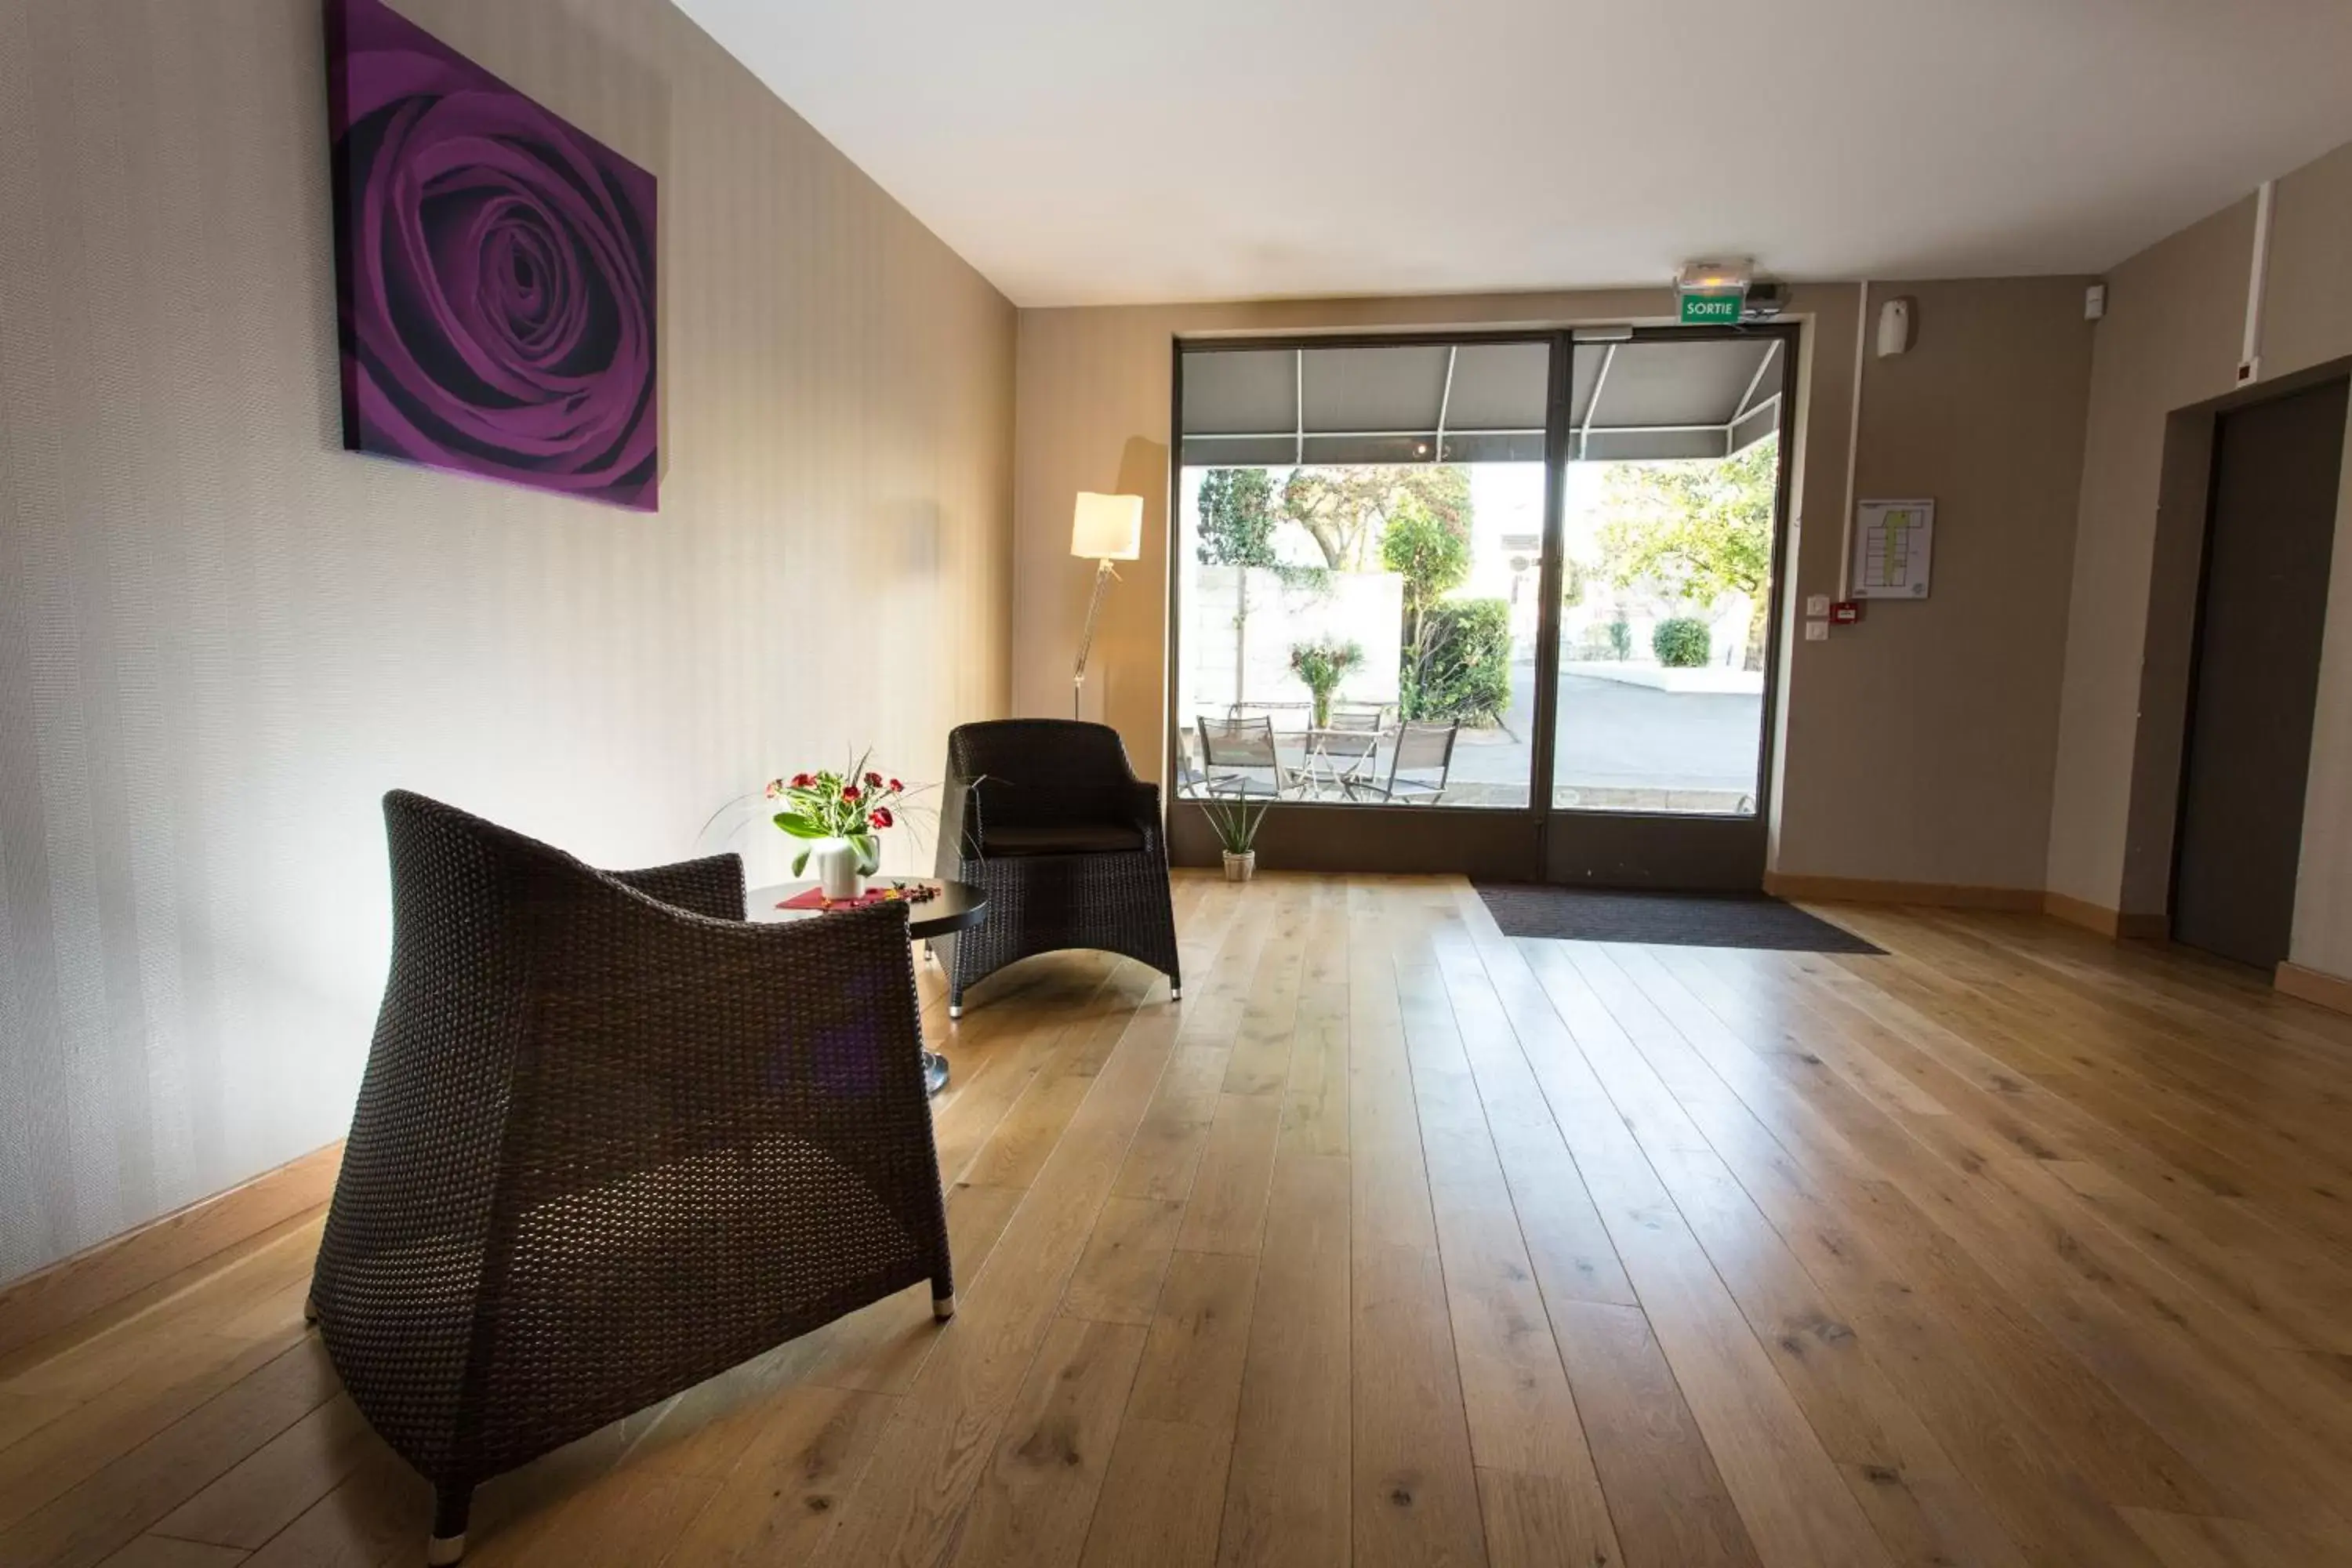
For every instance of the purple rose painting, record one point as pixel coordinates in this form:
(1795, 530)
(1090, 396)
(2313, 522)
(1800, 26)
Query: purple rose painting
(495, 271)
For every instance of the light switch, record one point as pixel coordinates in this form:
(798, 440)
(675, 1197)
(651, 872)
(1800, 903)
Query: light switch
(1817, 605)
(1817, 631)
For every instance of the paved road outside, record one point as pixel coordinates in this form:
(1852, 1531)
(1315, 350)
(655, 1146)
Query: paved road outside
(1617, 736)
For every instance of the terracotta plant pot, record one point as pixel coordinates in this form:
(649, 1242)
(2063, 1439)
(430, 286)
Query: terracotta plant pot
(1241, 868)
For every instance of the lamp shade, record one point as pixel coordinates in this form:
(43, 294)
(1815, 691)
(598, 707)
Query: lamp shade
(1107, 528)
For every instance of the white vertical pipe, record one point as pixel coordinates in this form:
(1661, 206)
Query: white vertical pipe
(1854, 444)
(2250, 359)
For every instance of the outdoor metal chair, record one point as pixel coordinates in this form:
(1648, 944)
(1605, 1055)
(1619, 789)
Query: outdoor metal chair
(1233, 749)
(1419, 748)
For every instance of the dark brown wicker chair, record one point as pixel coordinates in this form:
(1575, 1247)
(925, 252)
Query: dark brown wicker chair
(1047, 817)
(612, 1140)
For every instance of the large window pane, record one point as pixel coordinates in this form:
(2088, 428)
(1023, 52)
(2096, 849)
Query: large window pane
(1360, 538)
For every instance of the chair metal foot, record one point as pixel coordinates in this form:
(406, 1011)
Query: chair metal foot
(1175, 994)
(955, 1009)
(446, 1544)
(943, 1307)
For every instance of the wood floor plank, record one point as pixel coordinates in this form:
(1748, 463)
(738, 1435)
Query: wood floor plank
(795, 1455)
(1227, 1208)
(1286, 1499)
(268, 1491)
(1542, 1521)
(130, 1493)
(1199, 1343)
(378, 1514)
(2189, 1540)
(162, 1552)
(1118, 1274)
(1315, 1101)
(1035, 1501)
(1165, 1155)
(1416, 1490)
(1162, 1498)
(1666, 1498)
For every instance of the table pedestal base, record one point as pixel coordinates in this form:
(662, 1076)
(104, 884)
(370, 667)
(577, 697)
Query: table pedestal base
(935, 1073)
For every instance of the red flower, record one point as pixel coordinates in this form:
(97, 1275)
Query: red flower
(898, 788)
(851, 792)
(880, 817)
(775, 789)
(802, 781)
(874, 781)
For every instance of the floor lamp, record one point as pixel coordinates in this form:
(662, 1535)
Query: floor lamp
(1106, 529)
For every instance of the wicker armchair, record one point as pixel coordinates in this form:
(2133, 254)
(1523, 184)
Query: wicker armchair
(612, 1140)
(1048, 819)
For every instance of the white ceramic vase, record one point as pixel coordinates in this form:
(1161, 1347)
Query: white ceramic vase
(835, 862)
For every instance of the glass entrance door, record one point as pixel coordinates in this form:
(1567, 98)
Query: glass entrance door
(1673, 497)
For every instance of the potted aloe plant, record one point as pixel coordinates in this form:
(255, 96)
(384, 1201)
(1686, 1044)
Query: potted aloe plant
(1235, 826)
(836, 817)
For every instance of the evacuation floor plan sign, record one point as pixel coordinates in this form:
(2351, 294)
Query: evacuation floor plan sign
(1893, 547)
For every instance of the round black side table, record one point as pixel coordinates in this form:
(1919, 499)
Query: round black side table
(960, 906)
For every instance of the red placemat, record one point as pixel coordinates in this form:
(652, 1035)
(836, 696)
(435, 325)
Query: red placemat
(814, 898)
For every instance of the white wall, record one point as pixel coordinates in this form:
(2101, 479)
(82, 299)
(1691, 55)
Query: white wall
(222, 638)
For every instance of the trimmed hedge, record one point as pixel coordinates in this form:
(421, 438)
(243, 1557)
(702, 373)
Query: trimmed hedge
(1467, 675)
(1682, 643)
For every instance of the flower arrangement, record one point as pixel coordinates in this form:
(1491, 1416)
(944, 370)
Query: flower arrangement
(1322, 665)
(850, 808)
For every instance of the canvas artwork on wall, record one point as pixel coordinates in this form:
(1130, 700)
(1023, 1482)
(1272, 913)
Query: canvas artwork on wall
(495, 273)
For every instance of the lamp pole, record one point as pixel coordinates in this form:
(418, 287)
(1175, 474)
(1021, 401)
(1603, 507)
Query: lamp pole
(1104, 572)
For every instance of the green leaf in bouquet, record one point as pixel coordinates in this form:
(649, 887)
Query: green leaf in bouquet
(869, 853)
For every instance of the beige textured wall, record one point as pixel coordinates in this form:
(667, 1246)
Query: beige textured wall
(2170, 343)
(1942, 714)
(222, 638)
(1922, 749)
(2164, 343)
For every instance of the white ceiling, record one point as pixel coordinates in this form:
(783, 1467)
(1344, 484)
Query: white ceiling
(1097, 150)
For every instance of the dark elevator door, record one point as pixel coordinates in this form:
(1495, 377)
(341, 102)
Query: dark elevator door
(2262, 611)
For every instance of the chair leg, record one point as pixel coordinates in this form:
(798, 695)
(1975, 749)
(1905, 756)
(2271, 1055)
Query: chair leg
(450, 1507)
(955, 1001)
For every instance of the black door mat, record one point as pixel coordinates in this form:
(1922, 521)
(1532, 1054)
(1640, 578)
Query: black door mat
(1675, 920)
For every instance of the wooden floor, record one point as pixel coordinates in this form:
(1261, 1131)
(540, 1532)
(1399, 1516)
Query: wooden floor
(1399, 1242)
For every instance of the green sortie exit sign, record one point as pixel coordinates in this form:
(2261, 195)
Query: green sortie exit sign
(1710, 310)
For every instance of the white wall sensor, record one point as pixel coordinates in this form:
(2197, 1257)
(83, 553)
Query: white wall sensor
(1894, 328)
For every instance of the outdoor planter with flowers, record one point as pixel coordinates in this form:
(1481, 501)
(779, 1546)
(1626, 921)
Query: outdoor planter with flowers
(836, 816)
